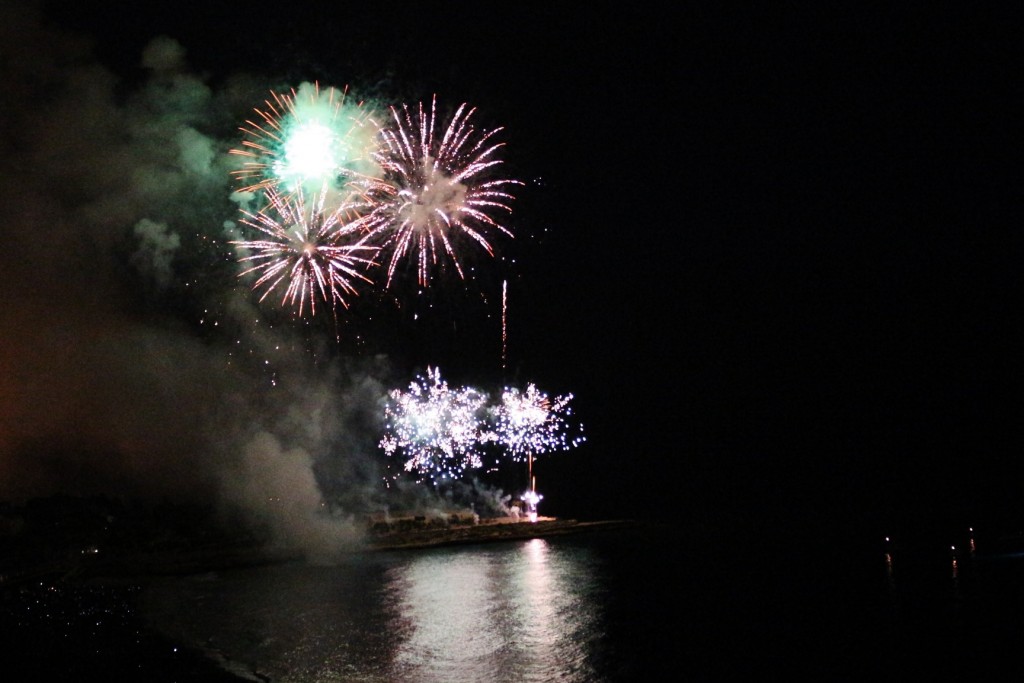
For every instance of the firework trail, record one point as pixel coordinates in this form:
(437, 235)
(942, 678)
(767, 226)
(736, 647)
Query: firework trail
(438, 430)
(305, 247)
(504, 323)
(436, 188)
(304, 139)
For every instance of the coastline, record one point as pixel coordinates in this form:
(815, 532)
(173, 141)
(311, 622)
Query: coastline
(120, 565)
(488, 531)
(91, 606)
(220, 557)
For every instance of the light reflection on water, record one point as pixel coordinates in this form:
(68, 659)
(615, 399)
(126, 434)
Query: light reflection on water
(524, 611)
(616, 607)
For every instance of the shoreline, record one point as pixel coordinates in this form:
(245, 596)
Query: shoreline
(91, 607)
(488, 531)
(115, 566)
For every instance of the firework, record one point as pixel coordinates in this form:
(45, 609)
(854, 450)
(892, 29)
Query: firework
(304, 139)
(437, 187)
(532, 498)
(438, 430)
(529, 423)
(305, 248)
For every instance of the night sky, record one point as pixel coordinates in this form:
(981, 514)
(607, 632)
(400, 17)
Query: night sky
(774, 253)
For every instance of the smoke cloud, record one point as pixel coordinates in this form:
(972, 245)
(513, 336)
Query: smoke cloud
(131, 360)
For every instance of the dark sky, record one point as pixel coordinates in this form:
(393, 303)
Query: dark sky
(774, 253)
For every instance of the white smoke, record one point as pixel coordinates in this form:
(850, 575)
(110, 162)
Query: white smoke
(156, 250)
(105, 390)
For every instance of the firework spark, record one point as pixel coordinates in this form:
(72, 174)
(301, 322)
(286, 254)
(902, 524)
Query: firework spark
(304, 139)
(439, 430)
(305, 247)
(437, 188)
(529, 423)
(531, 498)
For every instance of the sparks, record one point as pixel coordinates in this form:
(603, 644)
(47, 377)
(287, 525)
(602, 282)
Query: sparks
(438, 430)
(442, 432)
(435, 189)
(532, 498)
(304, 139)
(309, 249)
(529, 423)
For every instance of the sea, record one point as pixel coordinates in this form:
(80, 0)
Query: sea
(641, 602)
